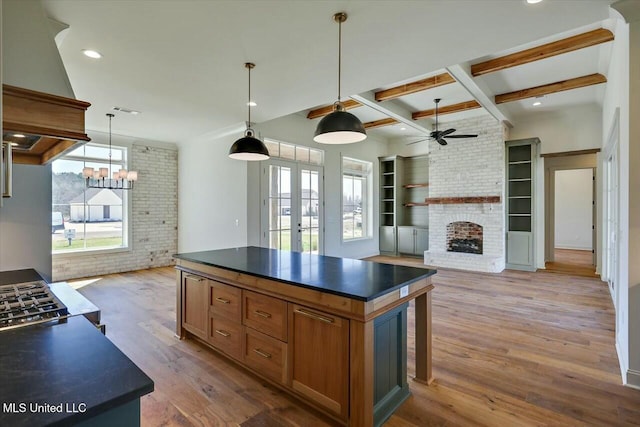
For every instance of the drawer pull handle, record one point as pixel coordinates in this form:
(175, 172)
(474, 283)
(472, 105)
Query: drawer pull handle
(223, 333)
(262, 353)
(263, 314)
(222, 300)
(314, 315)
(196, 278)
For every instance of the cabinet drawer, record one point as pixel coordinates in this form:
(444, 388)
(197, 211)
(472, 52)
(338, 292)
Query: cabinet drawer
(225, 301)
(266, 355)
(265, 314)
(226, 336)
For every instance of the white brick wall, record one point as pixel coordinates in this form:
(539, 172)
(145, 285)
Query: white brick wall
(468, 168)
(154, 220)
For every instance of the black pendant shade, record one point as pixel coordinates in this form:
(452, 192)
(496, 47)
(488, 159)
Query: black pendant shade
(339, 127)
(249, 148)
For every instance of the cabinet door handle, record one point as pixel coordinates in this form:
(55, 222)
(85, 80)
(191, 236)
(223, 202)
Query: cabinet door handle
(222, 300)
(223, 333)
(263, 314)
(196, 278)
(314, 315)
(262, 353)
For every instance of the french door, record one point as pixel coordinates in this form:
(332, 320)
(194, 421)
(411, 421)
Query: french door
(292, 206)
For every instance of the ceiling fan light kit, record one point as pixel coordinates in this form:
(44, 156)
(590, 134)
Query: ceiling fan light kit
(249, 147)
(339, 127)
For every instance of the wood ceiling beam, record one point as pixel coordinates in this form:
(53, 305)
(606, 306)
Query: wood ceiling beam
(323, 111)
(379, 123)
(578, 82)
(413, 87)
(580, 41)
(448, 109)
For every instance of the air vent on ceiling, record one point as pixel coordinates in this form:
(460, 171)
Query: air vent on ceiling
(126, 110)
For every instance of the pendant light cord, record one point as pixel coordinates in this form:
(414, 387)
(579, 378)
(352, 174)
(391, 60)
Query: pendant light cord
(339, 55)
(249, 101)
(110, 117)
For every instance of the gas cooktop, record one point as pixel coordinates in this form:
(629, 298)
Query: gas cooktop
(23, 304)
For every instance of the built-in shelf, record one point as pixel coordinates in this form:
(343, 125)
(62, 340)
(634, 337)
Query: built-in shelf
(410, 205)
(415, 185)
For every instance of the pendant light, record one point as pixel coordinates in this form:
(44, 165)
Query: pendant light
(339, 127)
(249, 147)
(103, 178)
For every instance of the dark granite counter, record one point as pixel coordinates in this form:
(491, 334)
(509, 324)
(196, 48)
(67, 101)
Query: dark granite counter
(19, 276)
(69, 366)
(352, 278)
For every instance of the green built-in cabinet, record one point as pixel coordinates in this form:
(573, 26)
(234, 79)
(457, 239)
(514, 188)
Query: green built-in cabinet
(520, 209)
(404, 215)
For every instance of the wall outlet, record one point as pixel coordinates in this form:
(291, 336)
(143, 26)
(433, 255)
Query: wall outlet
(404, 291)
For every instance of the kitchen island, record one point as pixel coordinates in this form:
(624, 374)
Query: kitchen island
(331, 331)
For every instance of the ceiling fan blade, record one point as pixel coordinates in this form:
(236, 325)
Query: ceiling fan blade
(462, 136)
(441, 141)
(447, 132)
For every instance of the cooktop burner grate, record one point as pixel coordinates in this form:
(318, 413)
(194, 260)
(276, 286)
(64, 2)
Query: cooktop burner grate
(26, 303)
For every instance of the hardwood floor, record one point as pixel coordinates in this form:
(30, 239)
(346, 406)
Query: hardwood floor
(514, 348)
(571, 261)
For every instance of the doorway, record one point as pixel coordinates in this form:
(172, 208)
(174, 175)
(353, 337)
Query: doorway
(292, 206)
(571, 217)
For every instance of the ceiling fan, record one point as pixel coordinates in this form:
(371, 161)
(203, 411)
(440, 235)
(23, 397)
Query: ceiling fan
(439, 135)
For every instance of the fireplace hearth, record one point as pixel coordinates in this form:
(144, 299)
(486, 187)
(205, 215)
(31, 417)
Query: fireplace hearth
(465, 237)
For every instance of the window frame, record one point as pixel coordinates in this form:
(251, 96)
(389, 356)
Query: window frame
(367, 195)
(127, 222)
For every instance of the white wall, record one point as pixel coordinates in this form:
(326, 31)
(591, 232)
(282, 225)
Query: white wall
(573, 209)
(213, 195)
(297, 129)
(576, 128)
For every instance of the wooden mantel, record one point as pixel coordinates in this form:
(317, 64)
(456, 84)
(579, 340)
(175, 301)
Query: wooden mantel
(461, 200)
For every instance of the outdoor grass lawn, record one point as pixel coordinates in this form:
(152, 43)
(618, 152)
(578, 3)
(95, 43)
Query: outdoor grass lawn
(98, 242)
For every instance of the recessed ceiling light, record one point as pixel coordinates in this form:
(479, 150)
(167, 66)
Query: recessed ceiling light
(14, 144)
(92, 53)
(252, 104)
(18, 135)
(403, 128)
(535, 104)
(533, 1)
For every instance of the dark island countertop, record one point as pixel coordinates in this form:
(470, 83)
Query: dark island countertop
(69, 363)
(351, 278)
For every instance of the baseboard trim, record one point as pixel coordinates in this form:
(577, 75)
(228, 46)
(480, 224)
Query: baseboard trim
(633, 379)
(621, 363)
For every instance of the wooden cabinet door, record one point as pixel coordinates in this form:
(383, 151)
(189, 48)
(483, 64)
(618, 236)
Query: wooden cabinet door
(319, 347)
(195, 304)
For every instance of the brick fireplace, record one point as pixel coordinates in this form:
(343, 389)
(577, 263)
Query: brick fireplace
(466, 198)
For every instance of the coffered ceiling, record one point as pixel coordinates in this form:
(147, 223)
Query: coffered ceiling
(181, 62)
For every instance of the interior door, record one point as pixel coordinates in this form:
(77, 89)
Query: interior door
(292, 207)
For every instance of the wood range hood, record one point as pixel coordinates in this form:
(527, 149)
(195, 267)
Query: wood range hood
(51, 125)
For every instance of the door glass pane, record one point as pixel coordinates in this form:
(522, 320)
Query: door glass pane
(309, 211)
(279, 207)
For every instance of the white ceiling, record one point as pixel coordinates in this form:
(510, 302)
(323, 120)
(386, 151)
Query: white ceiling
(180, 62)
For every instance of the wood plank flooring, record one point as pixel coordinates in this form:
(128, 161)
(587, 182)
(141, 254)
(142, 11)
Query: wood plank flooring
(573, 262)
(509, 349)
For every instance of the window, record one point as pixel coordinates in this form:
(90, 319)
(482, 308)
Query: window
(86, 219)
(356, 194)
(299, 153)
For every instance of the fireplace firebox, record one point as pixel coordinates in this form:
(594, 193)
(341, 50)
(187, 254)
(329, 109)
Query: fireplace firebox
(464, 236)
